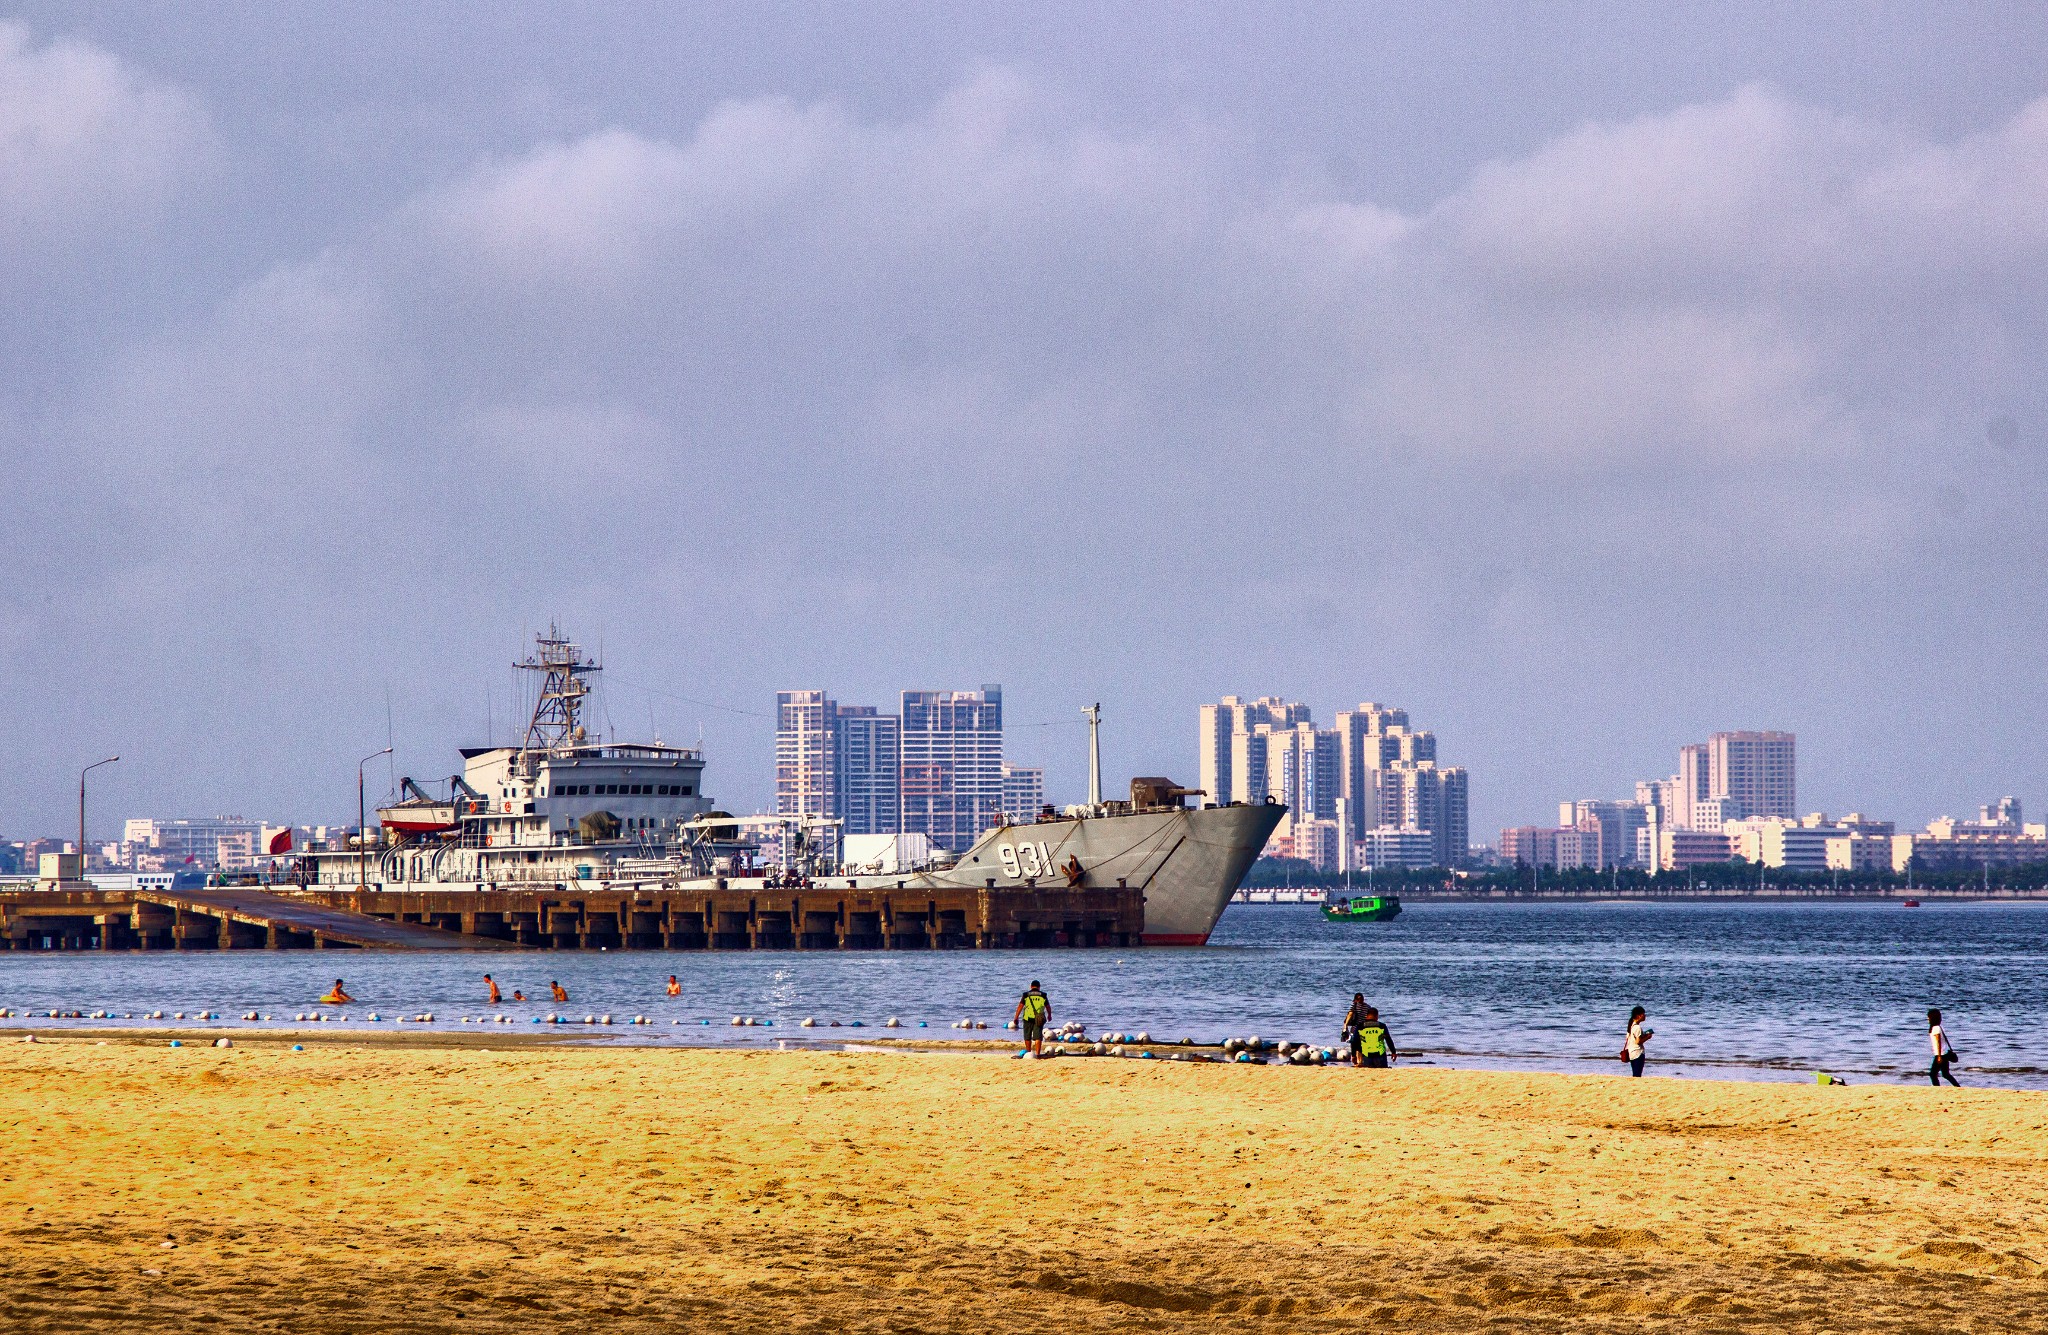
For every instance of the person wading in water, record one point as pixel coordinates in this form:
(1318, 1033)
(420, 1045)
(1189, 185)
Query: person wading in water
(1354, 1020)
(1034, 1008)
(1638, 1034)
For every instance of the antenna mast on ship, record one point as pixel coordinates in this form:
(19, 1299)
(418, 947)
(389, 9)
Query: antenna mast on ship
(562, 666)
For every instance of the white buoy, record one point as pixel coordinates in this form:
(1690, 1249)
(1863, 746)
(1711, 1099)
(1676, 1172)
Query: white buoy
(892, 1023)
(223, 1042)
(28, 1038)
(807, 1023)
(604, 1019)
(737, 1020)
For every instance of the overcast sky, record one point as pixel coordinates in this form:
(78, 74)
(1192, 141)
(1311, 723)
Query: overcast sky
(1582, 379)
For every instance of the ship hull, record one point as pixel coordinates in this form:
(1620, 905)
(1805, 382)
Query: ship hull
(1187, 862)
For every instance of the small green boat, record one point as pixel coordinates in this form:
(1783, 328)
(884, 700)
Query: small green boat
(1362, 908)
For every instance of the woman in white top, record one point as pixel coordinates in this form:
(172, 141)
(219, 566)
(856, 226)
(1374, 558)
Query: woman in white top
(1944, 1055)
(1638, 1035)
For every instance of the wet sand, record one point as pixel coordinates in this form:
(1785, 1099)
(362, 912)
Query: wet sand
(531, 1186)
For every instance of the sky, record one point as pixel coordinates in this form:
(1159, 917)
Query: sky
(1582, 378)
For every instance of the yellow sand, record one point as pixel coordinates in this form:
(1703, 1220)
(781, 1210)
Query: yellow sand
(543, 1188)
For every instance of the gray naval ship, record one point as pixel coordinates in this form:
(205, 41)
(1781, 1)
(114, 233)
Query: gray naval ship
(560, 808)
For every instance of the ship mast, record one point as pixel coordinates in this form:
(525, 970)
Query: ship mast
(562, 667)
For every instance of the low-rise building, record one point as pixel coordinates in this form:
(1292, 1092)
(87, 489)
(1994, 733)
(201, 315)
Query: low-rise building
(1800, 845)
(1398, 846)
(1851, 850)
(1961, 850)
(227, 842)
(1679, 849)
(1529, 846)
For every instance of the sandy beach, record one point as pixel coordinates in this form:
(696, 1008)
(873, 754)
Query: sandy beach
(537, 1187)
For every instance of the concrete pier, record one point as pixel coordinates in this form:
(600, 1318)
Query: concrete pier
(76, 916)
(658, 917)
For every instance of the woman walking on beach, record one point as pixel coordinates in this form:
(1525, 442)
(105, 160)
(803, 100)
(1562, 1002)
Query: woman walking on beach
(1638, 1034)
(1944, 1055)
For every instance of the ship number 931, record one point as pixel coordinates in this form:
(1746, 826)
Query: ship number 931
(1025, 859)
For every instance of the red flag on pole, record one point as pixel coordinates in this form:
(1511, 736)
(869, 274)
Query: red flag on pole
(281, 842)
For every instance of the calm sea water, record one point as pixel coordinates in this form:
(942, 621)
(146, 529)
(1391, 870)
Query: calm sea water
(1748, 991)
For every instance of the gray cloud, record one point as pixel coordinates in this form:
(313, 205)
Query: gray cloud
(1675, 421)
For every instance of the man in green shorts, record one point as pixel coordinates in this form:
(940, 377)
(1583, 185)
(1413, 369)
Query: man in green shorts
(1034, 1008)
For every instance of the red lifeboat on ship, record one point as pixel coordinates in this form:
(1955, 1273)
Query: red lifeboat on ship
(423, 813)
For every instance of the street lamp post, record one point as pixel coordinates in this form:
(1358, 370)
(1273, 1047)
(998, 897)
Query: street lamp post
(81, 805)
(362, 823)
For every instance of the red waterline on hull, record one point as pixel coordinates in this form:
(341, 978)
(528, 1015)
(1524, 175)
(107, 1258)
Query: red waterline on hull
(1176, 939)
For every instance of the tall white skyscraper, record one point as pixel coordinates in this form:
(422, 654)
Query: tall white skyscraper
(1755, 772)
(952, 764)
(806, 763)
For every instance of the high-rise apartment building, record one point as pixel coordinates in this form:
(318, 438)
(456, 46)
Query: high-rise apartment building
(806, 760)
(1023, 792)
(1371, 774)
(1233, 765)
(1694, 785)
(1302, 770)
(867, 749)
(952, 764)
(1417, 795)
(1730, 776)
(1366, 745)
(1754, 772)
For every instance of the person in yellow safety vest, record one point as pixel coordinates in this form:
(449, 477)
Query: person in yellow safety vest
(1375, 1041)
(1034, 1008)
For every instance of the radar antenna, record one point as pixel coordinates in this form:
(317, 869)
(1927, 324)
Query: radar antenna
(562, 666)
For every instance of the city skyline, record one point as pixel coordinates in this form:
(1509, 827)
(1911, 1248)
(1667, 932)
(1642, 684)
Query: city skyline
(1624, 374)
(1843, 796)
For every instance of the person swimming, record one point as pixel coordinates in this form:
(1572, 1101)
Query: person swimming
(492, 984)
(675, 989)
(561, 993)
(336, 995)
(517, 995)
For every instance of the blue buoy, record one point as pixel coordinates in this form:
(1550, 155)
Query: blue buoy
(298, 1047)
(177, 1043)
